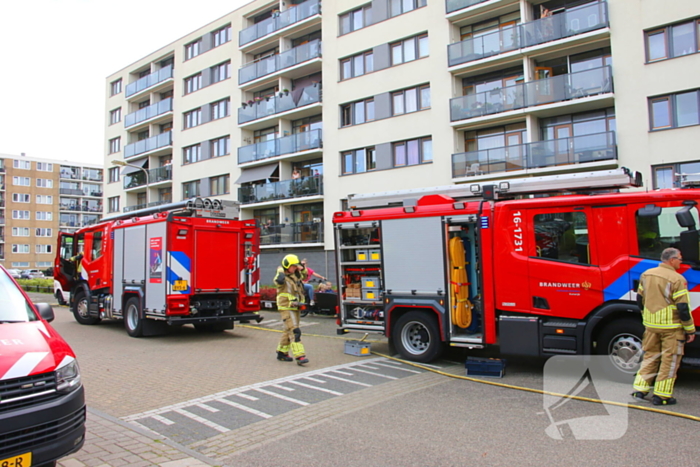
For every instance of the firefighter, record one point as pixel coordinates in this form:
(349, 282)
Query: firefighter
(290, 297)
(77, 265)
(663, 297)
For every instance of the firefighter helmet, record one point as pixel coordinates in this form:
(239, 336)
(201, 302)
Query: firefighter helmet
(289, 260)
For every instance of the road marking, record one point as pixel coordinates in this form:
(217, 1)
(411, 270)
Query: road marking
(206, 407)
(342, 372)
(329, 391)
(281, 387)
(246, 396)
(359, 370)
(397, 368)
(315, 380)
(201, 420)
(280, 396)
(348, 380)
(244, 408)
(162, 420)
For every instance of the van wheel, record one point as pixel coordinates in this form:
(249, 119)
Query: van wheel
(59, 298)
(133, 321)
(621, 341)
(80, 310)
(416, 337)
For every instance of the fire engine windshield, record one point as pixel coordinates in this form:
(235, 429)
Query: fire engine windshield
(14, 308)
(661, 230)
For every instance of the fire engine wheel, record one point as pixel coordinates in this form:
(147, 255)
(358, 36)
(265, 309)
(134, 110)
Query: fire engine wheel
(133, 322)
(416, 337)
(621, 340)
(80, 310)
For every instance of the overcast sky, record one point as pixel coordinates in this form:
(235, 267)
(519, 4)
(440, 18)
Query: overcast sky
(56, 55)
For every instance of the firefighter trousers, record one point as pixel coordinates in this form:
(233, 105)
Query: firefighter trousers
(663, 351)
(291, 320)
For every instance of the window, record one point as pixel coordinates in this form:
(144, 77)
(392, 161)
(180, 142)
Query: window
(97, 245)
(357, 65)
(114, 145)
(673, 41)
(20, 248)
(356, 19)
(44, 183)
(412, 152)
(113, 204)
(220, 72)
(192, 49)
(359, 161)
(25, 165)
(219, 185)
(221, 36)
(656, 233)
(190, 189)
(21, 215)
(220, 146)
(115, 87)
(115, 116)
(44, 264)
(40, 249)
(113, 174)
(44, 199)
(562, 236)
(43, 232)
(20, 231)
(191, 154)
(675, 111)
(667, 175)
(21, 181)
(398, 7)
(44, 166)
(193, 83)
(44, 216)
(21, 197)
(357, 112)
(410, 100)
(409, 49)
(220, 109)
(193, 118)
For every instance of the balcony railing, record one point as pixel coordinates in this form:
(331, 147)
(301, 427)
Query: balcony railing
(569, 23)
(276, 147)
(280, 103)
(543, 91)
(153, 110)
(286, 189)
(296, 232)
(278, 62)
(149, 144)
(454, 5)
(70, 175)
(557, 152)
(149, 80)
(71, 191)
(136, 207)
(282, 20)
(138, 178)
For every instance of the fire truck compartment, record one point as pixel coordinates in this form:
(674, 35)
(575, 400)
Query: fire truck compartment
(223, 249)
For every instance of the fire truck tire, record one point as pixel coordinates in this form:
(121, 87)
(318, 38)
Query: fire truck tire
(133, 321)
(621, 340)
(417, 337)
(80, 310)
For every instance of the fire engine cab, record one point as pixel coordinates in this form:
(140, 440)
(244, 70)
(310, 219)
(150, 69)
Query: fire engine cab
(542, 275)
(192, 262)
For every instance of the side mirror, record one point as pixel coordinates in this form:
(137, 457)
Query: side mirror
(650, 210)
(45, 311)
(685, 218)
(689, 246)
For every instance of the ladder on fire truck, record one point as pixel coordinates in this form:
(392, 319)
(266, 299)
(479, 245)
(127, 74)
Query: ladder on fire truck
(194, 207)
(578, 182)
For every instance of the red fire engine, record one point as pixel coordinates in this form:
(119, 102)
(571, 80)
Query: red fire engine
(188, 262)
(539, 276)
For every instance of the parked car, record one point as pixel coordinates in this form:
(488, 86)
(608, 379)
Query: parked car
(15, 273)
(32, 274)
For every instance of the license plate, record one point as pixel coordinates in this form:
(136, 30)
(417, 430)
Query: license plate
(180, 286)
(25, 460)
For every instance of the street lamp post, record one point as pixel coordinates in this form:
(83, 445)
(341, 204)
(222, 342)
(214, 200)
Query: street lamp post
(125, 164)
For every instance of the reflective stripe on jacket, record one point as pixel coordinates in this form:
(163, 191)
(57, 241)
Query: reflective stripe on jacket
(289, 290)
(662, 289)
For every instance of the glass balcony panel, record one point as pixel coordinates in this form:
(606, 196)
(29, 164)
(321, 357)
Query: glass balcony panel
(160, 174)
(149, 80)
(286, 189)
(569, 23)
(279, 103)
(276, 147)
(159, 108)
(297, 232)
(454, 5)
(282, 20)
(149, 144)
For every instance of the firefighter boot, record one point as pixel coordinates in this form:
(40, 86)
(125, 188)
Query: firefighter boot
(283, 357)
(299, 353)
(640, 396)
(302, 360)
(656, 400)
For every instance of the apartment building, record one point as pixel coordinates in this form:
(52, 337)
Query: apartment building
(288, 106)
(39, 198)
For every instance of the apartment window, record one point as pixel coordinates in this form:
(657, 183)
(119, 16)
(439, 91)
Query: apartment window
(673, 41)
(20, 215)
(21, 181)
(356, 19)
(412, 152)
(410, 100)
(398, 7)
(409, 49)
(115, 116)
(44, 199)
(25, 165)
(44, 166)
(193, 83)
(221, 36)
(40, 249)
(220, 109)
(357, 112)
(357, 65)
(220, 72)
(21, 197)
(113, 174)
(113, 204)
(220, 146)
(114, 145)
(190, 189)
(675, 110)
(43, 232)
(115, 87)
(20, 248)
(193, 118)
(44, 216)
(191, 154)
(44, 183)
(219, 185)
(192, 49)
(358, 161)
(20, 231)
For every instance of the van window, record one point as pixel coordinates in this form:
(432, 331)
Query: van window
(562, 236)
(656, 233)
(13, 307)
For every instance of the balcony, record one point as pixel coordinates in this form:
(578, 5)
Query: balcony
(543, 91)
(297, 232)
(454, 5)
(71, 191)
(284, 190)
(288, 59)
(279, 146)
(281, 21)
(138, 178)
(570, 23)
(136, 207)
(146, 82)
(2, 221)
(564, 152)
(280, 103)
(149, 144)
(69, 174)
(147, 113)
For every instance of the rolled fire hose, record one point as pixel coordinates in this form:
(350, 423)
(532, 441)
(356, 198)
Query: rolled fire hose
(461, 311)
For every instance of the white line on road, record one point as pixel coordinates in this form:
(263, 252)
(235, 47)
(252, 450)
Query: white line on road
(162, 420)
(201, 420)
(373, 374)
(207, 408)
(329, 391)
(341, 372)
(348, 381)
(244, 408)
(281, 387)
(315, 380)
(280, 396)
(246, 396)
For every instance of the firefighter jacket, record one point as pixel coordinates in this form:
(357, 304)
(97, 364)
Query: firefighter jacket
(662, 289)
(289, 289)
